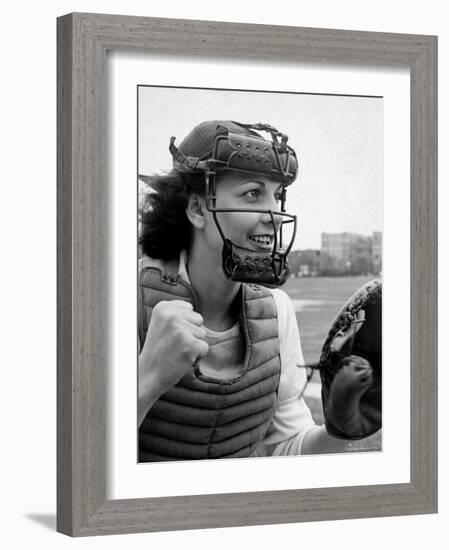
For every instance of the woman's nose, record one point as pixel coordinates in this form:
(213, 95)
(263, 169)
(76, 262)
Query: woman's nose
(269, 217)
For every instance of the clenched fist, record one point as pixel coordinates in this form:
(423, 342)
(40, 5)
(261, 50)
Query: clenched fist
(344, 411)
(352, 407)
(174, 341)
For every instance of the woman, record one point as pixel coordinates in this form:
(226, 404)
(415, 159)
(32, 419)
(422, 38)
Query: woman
(220, 348)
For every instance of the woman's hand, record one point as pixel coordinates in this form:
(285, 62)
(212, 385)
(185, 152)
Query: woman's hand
(344, 411)
(174, 341)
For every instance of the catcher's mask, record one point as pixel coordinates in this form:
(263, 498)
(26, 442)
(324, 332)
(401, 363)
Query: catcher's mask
(214, 147)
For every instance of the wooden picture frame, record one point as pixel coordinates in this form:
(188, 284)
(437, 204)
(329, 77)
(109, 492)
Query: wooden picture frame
(83, 41)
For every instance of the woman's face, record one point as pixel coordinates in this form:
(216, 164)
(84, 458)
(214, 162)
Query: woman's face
(251, 230)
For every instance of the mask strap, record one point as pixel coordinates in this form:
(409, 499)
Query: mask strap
(187, 162)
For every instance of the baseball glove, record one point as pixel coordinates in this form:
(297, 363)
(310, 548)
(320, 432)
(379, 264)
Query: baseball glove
(351, 366)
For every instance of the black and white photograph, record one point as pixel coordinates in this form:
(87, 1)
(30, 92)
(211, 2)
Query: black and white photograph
(220, 300)
(259, 273)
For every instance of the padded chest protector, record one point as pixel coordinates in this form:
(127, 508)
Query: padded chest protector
(202, 417)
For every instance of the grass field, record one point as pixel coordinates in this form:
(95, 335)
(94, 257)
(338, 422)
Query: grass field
(317, 301)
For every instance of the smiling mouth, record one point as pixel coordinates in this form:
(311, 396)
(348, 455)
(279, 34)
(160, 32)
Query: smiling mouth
(264, 242)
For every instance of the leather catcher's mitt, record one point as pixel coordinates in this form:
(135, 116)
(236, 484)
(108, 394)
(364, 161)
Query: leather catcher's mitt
(351, 366)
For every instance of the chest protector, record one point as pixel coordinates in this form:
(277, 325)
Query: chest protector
(203, 417)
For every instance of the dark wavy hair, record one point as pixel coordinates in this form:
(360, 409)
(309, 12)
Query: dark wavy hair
(165, 229)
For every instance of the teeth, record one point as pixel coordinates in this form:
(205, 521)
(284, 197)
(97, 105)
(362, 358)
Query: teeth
(262, 239)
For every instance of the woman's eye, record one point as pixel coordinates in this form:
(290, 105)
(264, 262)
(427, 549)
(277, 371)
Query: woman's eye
(252, 195)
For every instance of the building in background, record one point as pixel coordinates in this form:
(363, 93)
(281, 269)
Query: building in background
(340, 254)
(351, 254)
(304, 263)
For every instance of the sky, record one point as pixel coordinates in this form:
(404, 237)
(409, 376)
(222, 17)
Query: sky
(338, 141)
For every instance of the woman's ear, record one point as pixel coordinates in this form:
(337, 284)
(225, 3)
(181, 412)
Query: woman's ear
(195, 211)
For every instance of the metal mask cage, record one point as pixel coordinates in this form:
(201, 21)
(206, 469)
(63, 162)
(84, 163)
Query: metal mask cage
(248, 153)
(211, 205)
(252, 153)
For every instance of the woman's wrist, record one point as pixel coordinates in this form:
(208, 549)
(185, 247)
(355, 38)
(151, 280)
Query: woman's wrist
(319, 441)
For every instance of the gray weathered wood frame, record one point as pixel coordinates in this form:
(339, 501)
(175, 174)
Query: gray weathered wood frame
(83, 40)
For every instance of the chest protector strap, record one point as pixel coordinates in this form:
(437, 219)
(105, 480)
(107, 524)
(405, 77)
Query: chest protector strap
(203, 417)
